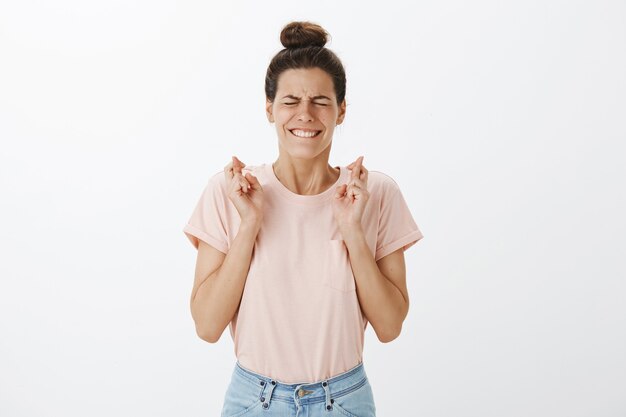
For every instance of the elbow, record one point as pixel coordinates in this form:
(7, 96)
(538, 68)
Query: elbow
(204, 329)
(207, 331)
(388, 338)
(207, 335)
(392, 329)
(389, 335)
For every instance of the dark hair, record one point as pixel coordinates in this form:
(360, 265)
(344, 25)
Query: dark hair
(304, 48)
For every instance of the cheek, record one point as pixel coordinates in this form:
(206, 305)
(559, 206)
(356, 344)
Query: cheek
(328, 115)
(328, 121)
(282, 116)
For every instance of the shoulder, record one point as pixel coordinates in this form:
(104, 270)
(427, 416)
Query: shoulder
(381, 183)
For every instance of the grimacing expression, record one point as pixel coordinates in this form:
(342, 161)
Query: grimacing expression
(305, 111)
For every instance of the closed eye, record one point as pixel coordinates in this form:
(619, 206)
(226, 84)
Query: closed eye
(319, 104)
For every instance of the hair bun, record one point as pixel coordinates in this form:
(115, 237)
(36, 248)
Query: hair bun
(303, 34)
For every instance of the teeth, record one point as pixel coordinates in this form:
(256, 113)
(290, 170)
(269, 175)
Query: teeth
(303, 134)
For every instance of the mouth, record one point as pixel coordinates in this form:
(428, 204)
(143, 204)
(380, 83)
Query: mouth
(305, 134)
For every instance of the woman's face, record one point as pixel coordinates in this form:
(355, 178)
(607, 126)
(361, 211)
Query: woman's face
(305, 104)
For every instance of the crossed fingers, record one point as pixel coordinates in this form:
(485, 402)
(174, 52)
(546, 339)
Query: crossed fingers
(358, 175)
(234, 170)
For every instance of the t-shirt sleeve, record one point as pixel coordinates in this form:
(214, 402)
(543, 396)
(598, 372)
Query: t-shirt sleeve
(208, 219)
(396, 228)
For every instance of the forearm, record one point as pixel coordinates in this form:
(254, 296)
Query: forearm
(381, 301)
(218, 297)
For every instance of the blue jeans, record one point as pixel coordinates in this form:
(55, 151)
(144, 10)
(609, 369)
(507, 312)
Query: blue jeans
(253, 395)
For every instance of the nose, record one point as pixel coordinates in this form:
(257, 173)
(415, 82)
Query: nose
(304, 111)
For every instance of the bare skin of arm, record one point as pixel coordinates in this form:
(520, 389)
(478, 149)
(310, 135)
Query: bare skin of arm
(381, 286)
(220, 278)
(219, 283)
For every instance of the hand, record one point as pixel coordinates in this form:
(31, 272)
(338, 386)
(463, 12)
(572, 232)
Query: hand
(350, 199)
(244, 191)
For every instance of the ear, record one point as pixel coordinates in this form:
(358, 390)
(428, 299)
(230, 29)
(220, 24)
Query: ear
(342, 112)
(268, 110)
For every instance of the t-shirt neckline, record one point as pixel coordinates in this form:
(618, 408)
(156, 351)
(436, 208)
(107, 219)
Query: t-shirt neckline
(304, 199)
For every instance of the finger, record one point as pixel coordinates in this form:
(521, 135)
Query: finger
(237, 165)
(251, 178)
(354, 169)
(245, 185)
(340, 191)
(239, 182)
(352, 191)
(364, 174)
(228, 171)
(358, 162)
(353, 163)
(240, 162)
(356, 192)
(356, 172)
(357, 183)
(357, 187)
(253, 181)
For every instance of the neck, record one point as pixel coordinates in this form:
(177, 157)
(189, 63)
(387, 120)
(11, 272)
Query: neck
(305, 177)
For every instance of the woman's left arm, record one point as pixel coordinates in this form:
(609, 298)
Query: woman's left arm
(381, 286)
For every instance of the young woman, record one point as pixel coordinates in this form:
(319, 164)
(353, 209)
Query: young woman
(298, 256)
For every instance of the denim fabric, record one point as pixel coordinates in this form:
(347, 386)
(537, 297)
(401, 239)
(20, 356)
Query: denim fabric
(253, 395)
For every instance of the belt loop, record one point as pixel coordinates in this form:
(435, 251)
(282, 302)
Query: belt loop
(272, 385)
(329, 401)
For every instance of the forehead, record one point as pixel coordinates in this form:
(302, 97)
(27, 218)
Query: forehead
(305, 82)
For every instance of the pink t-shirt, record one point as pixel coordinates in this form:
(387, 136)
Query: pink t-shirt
(299, 319)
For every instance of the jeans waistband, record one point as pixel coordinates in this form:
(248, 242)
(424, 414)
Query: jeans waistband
(307, 392)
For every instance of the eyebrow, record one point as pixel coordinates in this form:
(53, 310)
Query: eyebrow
(312, 98)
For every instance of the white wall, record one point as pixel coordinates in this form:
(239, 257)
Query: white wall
(502, 122)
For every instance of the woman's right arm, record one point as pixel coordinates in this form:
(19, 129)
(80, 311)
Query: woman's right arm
(220, 278)
(219, 282)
